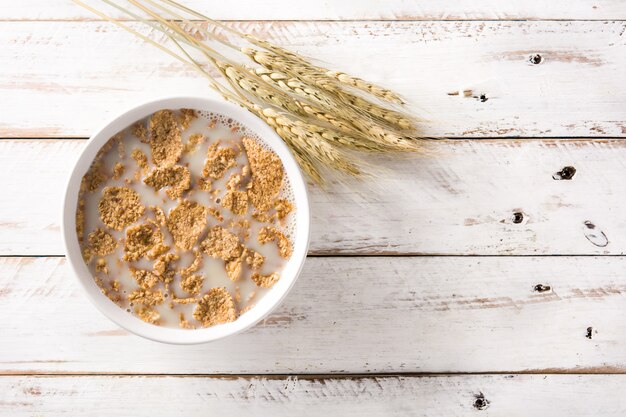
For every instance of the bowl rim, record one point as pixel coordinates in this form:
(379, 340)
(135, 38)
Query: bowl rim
(267, 304)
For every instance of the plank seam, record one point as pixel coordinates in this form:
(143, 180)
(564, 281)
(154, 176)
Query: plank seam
(377, 20)
(401, 255)
(442, 138)
(305, 376)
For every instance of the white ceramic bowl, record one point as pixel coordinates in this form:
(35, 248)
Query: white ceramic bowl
(165, 334)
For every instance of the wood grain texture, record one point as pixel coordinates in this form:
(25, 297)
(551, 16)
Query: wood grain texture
(352, 10)
(348, 315)
(463, 200)
(474, 79)
(468, 63)
(484, 395)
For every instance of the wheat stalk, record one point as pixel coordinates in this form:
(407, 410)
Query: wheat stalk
(345, 131)
(310, 74)
(341, 77)
(342, 118)
(318, 75)
(322, 115)
(366, 86)
(308, 139)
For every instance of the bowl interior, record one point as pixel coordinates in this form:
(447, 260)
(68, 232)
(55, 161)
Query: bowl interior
(266, 303)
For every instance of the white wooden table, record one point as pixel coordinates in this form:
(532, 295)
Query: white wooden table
(477, 284)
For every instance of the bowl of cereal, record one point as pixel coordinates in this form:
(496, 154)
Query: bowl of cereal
(186, 220)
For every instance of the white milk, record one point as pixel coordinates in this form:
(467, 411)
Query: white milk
(229, 133)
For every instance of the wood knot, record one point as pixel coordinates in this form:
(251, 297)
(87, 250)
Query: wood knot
(594, 235)
(518, 217)
(536, 59)
(567, 173)
(542, 288)
(589, 334)
(480, 402)
(482, 98)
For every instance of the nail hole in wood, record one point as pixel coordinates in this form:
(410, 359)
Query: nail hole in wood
(567, 173)
(589, 334)
(480, 402)
(536, 59)
(542, 288)
(518, 217)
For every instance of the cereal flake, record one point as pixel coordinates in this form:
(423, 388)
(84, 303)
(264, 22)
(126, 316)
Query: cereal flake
(119, 207)
(184, 323)
(186, 223)
(163, 266)
(176, 177)
(216, 307)
(205, 184)
(267, 174)
(101, 266)
(140, 158)
(233, 182)
(140, 240)
(219, 160)
(186, 117)
(146, 297)
(118, 170)
(283, 208)
(265, 281)
(216, 214)
(236, 201)
(94, 178)
(233, 269)
(145, 279)
(254, 259)
(159, 215)
(192, 284)
(193, 142)
(195, 265)
(148, 315)
(268, 234)
(262, 217)
(101, 242)
(165, 138)
(139, 130)
(220, 243)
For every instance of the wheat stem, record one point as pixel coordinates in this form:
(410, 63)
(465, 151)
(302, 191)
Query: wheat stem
(322, 115)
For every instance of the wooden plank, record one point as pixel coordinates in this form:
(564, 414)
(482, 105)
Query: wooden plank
(574, 91)
(348, 315)
(492, 395)
(462, 200)
(352, 10)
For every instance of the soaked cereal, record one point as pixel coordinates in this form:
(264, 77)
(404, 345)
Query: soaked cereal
(185, 219)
